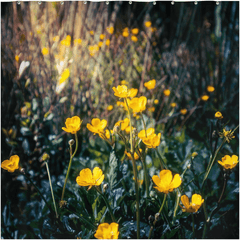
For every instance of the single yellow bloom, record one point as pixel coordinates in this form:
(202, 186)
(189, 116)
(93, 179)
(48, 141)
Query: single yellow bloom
(88, 178)
(120, 103)
(107, 42)
(194, 154)
(154, 43)
(148, 24)
(123, 123)
(151, 109)
(156, 101)
(93, 49)
(100, 44)
(45, 51)
(123, 82)
(17, 58)
(205, 98)
(12, 164)
(135, 31)
(110, 107)
(134, 38)
(138, 104)
(173, 105)
(65, 75)
(123, 92)
(125, 34)
(218, 115)
(68, 38)
(195, 204)
(229, 162)
(136, 156)
(104, 135)
(150, 84)
(110, 30)
(183, 111)
(102, 36)
(152, 141)
(91, 32)
(77, 41)
(228, 135)
(107, 231)
(72, 124)
(142, 134)
(165, 182)
(127, 130)
(210, 89)
(153, 29)
(97, 125)
(166, 92)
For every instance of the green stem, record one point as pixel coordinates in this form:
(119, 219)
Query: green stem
(69, 166)
(145, 173)
(107, 203)
(176, 206)
(50, 183)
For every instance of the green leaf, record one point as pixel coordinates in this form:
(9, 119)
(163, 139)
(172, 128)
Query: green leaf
(112, 175)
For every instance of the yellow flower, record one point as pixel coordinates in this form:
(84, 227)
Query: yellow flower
(77, 41)
(140, 182)
(110, 30)
(156, 101)
(183, 111)
(72, 124)
(205, 98)
(135, 31)
(173, 105)
(154, 44)
(218, 115)
(228, 135)
(45, 51)
(65, 75)
(166, 92)
(153, 29)
(148, 24)
(123, 92)
(17, 58)
(142, 134)
(107, 231)
(68, 38)
(134, 38)
(151, 109)
(123, 123)
(150, 84)
(56, 38)
(127, 130)
(97, 125)
(152, 141)
(110, 107)
(102, 36)
(91, 32)
(100, 44)
(12, 164)
(138, 104)
(107, 42)
(229, 162)
(104, 135)
(210, 89)
(165, 182)
(125, 34)
(93, 49)
(88, 178)
(123, 82)
(195, 204)
(136, 156)
(120, 103)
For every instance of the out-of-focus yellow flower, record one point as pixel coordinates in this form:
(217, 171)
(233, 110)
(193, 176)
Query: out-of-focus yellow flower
(165, 182)
(195, 204)
(127, 130)
(151, 109)
(78, 41)
(56, 38)
(148, 24)
(45, 51)
(229, 162)
(68, 38)
(107, 42)
(12, 164)
(154, 44)
(17, 58)
(173, 105)
(194, 154)
(205, 98)
(123, 92)
(136, 156)
(183, 111)
(72, 124)
(100, 44)
(89, 178)
(150, 84)
(166, 92)
(110, 30)
(142, 134)
(228, 135)
(153, 29)
(106, 231)
(64, 76)
(91, 32)
(135, 31)
(123, 82)
(123, 123)
(110, 107)
(97, 125)
(104, 135)
(218, 115)
(125, 34)
(93, 49)
(152, 141)
(102, 36)
(210, 89)
(120, 104)
(156, 101)
(138, 104)
(134, 38)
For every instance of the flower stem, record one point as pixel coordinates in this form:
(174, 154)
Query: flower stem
(145, 173)
(193, 225)
(50, 183)
(69, 166)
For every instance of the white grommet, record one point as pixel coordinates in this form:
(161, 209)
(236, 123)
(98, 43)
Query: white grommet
(172, 2)
(39, 2)
(85, 2)
(154, 3)
(18, 2)
(107, 2)
(195, 2)
(130, 2)
(217, 2)
(62, 3)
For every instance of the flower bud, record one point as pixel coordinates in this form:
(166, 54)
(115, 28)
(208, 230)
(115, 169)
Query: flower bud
(105, 187)
(22, 170)
(150, 219)
(71, 142)
(45, 157)
(157, 216)
(194, 154)
(62, 204)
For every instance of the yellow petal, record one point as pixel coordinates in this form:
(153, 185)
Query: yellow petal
(165, 177)
(176, 182)
(185, 201)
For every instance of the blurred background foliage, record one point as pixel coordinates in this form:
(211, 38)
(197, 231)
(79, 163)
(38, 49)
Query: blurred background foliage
(61, 60)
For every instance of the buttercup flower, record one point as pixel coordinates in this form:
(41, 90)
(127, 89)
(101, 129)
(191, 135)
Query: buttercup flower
(97, 125)
(44, 51)
(17, 58)
(124, 82)
(142, 134)
(77, 41)
(150, 84)
(12, 164)
(64, 76)
(151, 109)
(205, 98)
(107, 42)
(123, 123)
(218, 115)
(134, 38)
(156, 101)
(125, 32)
(165, 182)
(100, 44)
(138, 104)
(229, 162)
(136, 156)
(210, 89)
(72, 125)
(127, 130)
(183, 111)
(88, 178)
(173, 105)
(166, 92)
(148, 24)
(102, 36)
(91, 32)
(135, 31)
(110, 30)
(110, 107)
(152, 141)
(123, 92)
(228, 135)
(195, 204)
(107, 231)
(104, 135)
